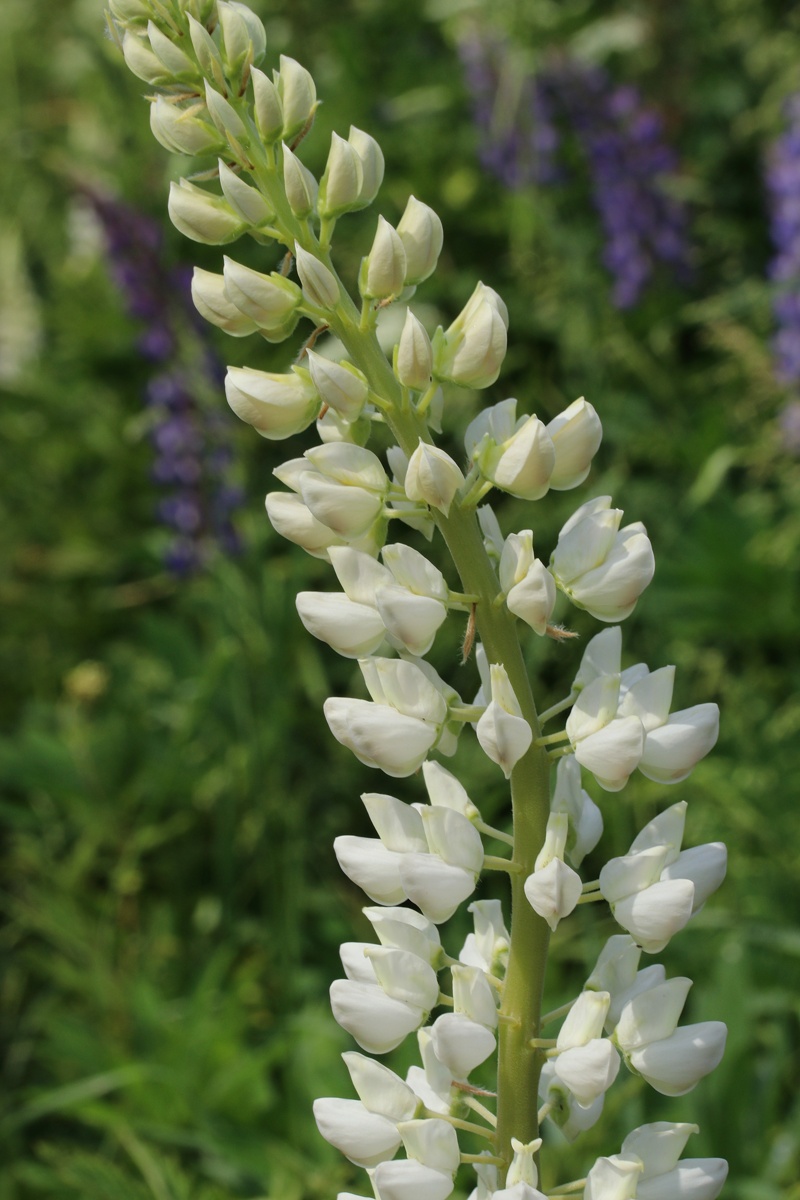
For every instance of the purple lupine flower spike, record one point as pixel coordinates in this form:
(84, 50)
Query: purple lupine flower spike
(783, 193)
(192, 456)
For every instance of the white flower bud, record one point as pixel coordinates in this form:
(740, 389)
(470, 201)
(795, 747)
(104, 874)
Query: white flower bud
(432, 477)
(436, 887)
(704, 865)
(600, 567)
(614, 1178)
(445, 791)
(521, 465)
(652, 1015)
(584, 1021)
(378, 1022)
(243, 35)
(404, 976)
(379, 1089)
(589, 1070)
(692, 1179)
(341, 385)
(405, 929)
(297, 94)
(413, 571)
(379, 736)
(461, 1044)
(277, 406)
(364, 1137)
(432, 1142)
(421, 232)
(602, 656)
(659, 1145)
(319, 284)
(530, 588)
(488, 946)
(585, 818)
(570, 1117)
(204, 46)
(224, 115)
(410, 621)
(664, 832)
(211, 301)
(372, 867)
(246, 201)
(178, 64)
(293, 520)
(553, 891)
(615, 969)
(414, 361)
(576, 434)
(342, 179)
(141, 60)
(407, 1179)
(202, 217)
(613, 752)
(266, 107)
(384, 268)
(352, 630)
(372, 164)
(180, 131)
(673, 749)
(504, 734)
(269, 300)
(656, 913)
(301, 186)
(523, 1167)
(676, 1064)
(474, 996)
(471, 351)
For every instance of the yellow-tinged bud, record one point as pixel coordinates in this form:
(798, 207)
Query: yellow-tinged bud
(267, 108)
(202, 217)
(224, 116)
(178, 64)
(181, 131)
(133, 12)
(204, 46)
(269, 300)
(246, 201)
(243, 36)
(341, 385)
(301, 186)
(384, 267)
(211, 301)
(319, 284)
(341, 183)
(277, 406)
(141, 60)
(414, 361)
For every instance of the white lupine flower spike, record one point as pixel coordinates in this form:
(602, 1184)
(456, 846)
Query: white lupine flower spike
(384, 606)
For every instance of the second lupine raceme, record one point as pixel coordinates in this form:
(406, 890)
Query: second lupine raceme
(475, 1011)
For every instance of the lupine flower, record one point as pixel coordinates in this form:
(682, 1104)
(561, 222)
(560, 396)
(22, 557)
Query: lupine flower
(523, 120)
(193, 460)
(783, 192)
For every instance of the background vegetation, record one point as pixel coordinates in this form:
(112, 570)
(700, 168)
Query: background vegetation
(172, 906)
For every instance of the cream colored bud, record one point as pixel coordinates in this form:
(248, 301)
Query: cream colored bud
(224, 116)
(576, 434)
(319, 284)
(211, 301)
(204, 46)
(292, 519)
(245, 200)
(243, 37)
(178, 64)
(372, 164)
(269, 300)
(136, 12)
(298, 96)
(141, 60)
(385, 264)
(340, 385)
(471, 351)
(202, 217)
(414, 361)
(180, 131)
(266, 107)
(421, 233)
(432, 477)
(301, 186)
(275, 405)
(342, 180)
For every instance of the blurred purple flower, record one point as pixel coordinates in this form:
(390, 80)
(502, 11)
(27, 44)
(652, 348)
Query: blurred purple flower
(623, 142)
(193, 456)
(783, 196)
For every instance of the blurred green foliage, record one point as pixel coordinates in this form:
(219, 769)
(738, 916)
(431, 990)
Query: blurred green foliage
(169, 792)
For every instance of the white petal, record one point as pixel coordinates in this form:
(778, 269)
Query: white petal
(432, 1142)
(553, 891)
(673, 1066)
(656, 913)
(379, 736)
(352, 630)
(588, 1071)
(652, 1015)
(371, 867)
(376, 1021)
(692, 1179)
(705, 865)
(410, 1180)
(379, 1089)
(675, 748)
(453, 838)
(461, 1044)
(436, 887)
(362, 1136)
